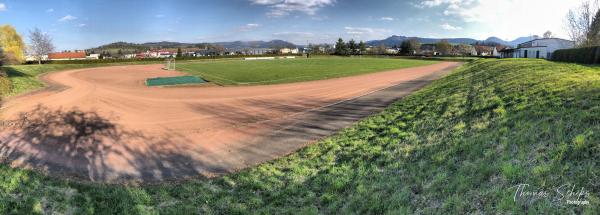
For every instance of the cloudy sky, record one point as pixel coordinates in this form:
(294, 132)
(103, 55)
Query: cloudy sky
(84, 24)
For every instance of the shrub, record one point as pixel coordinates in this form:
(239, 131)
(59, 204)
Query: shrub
(587, 55)
(4, 83)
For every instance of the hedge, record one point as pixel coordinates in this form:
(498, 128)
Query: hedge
(587, 55)
(153, 59)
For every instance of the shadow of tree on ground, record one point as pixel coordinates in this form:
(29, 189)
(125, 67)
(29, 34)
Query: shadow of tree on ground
(86, 145)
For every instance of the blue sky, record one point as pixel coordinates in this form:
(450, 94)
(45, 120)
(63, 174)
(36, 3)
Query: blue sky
(84, 24)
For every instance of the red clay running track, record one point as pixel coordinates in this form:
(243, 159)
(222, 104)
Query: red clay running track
(103, 124)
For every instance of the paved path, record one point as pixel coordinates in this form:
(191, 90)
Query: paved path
(103, 124)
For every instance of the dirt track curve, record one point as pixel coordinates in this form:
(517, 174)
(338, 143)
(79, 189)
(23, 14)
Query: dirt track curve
(103, 124)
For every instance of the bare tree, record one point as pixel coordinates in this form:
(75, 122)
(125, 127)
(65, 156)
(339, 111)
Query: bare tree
(579, 21)
(41, 44)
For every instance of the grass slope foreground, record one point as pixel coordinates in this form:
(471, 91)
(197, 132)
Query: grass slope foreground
(460, 146)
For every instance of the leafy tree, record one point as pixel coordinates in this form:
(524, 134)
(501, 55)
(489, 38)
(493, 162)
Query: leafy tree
(380, 49)
(352, 46)
(548, 34)
(12, 44)
(409, 47)
(120, 53)
(179, 54)
(593, 35)
(443, 47)
(464, 49)
(340, 47)
(362, 47)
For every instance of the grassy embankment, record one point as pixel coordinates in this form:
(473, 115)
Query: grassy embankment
(291, 70)
(459, 146)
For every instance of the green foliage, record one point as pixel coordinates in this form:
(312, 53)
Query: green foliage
(12, 45)
(586, 55)
(409, 47)
(290, 70)
(443, 47)
(340, 47)
(459, 146)
(179, 54)
(5, 84)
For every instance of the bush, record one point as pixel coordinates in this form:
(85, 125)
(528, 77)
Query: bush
(587, 55)
(4, 84)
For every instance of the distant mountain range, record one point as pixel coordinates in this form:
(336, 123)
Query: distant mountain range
(170, 45)
(390, 41)
(396, 40)
(256, 44)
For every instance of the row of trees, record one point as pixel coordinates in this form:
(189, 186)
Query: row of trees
(350, 48)
(12, 47)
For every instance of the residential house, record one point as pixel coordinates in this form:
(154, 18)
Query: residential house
(537, 48)
(485, 50)
(428, 49)
(391, 51)
(289, 51)
(31, 58)
(79, 55)
(93, 57)
(129, 56)
(207, 52)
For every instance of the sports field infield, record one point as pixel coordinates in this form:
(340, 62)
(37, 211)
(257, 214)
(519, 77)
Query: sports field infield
(240, 72)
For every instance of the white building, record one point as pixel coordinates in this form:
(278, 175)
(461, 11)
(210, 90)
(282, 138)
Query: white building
(31, 58)
(289, 51)
(538, 48)
(93, 57)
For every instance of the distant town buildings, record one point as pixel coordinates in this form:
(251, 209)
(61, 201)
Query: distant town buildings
(538, 48)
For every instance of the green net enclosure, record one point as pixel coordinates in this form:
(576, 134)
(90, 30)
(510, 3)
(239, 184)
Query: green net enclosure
(180, 80)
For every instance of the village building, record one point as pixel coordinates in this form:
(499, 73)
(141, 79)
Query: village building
(538, 48)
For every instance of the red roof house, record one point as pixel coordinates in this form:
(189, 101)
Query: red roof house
(67, 56)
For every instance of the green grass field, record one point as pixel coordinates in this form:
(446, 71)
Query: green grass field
(239, 72)
(459, 146)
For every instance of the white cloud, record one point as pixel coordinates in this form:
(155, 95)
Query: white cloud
(50, 10)
(2, 7)
(294, 34)
(82, 25)
(279, 8)
(367, 33)
(385, 18)
(305, 38)
(67, 18)
(449, 27)
(506, 18)
(159, 16)
(249, 27)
